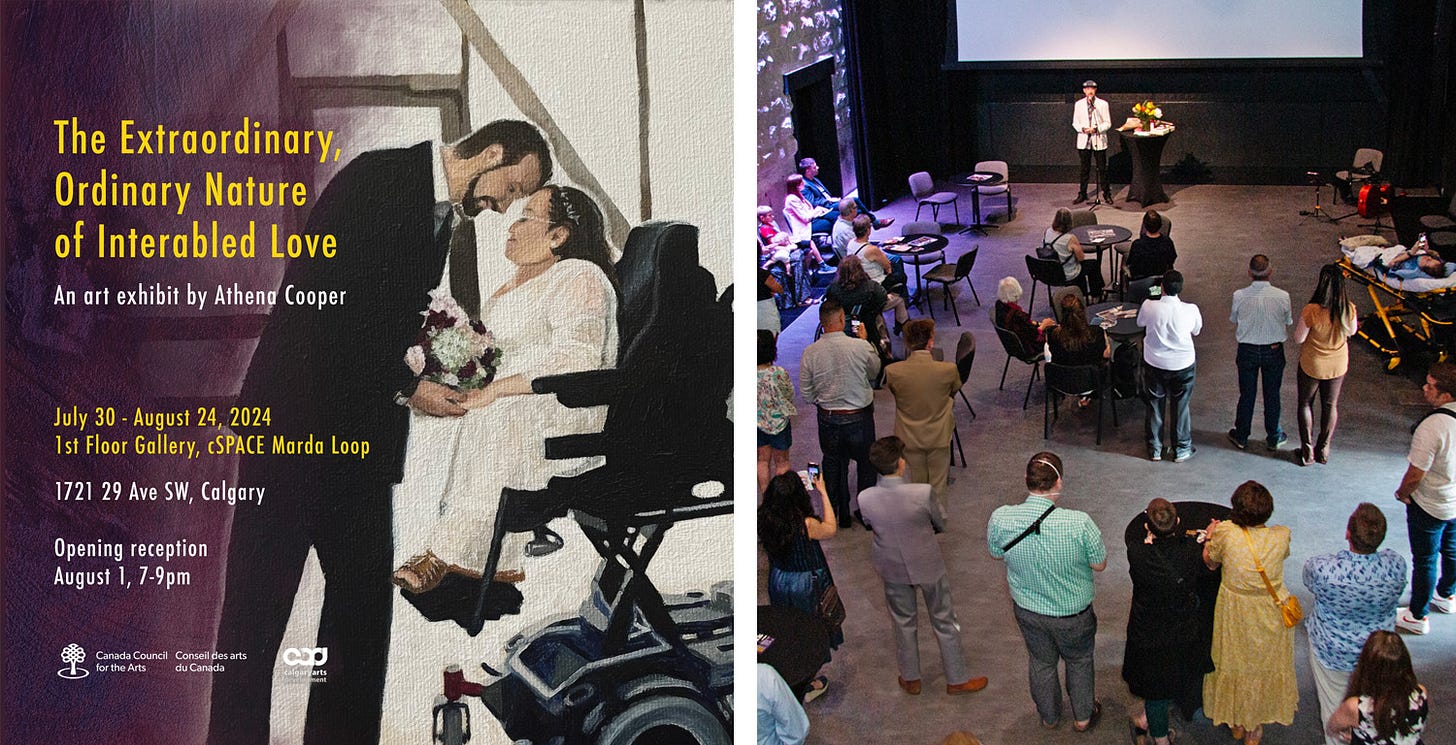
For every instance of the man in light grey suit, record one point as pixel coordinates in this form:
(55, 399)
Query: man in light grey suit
(905, 520)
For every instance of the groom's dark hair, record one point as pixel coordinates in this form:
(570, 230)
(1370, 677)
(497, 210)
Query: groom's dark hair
(516, 138)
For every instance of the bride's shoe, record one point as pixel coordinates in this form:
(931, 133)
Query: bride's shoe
(421, 573)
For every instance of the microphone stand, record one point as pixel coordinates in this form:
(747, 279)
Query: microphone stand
(1096, 200)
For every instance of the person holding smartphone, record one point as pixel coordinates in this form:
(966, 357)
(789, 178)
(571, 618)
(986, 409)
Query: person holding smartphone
(790, 528)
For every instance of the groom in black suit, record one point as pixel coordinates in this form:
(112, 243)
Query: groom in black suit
(340, 372)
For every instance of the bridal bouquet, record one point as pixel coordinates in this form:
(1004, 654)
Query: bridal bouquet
(451, 349)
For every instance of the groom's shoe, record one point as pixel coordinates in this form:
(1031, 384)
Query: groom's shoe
(421, 573)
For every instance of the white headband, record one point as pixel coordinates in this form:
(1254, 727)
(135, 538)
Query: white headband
(1049, 464)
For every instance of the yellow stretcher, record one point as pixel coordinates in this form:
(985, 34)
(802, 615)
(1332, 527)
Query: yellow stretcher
(1405, 323)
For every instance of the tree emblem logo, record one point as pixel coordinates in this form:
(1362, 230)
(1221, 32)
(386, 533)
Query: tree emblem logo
(73, 655)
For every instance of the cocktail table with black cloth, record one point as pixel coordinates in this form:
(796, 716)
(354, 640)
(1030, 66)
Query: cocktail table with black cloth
(930, 243)
(1099, 238)
(1124, 329)
(1192, 517)
(1146, 151)
(975, 180)
(800, 645)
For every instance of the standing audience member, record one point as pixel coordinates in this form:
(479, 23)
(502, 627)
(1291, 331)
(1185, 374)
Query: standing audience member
(1384, 704)
(1167, 653)
(1260, 315)
(924, 408)
(836, 375)
(1253, 679)
(878, 267)
(775, 409)
(1355, 592)
(905, 521)
(1324, 327)
(781, 718)
(1087, 273)
(1011, 317)
(1152, 254)
(798, 574)
(1428, 491)
(1168, 366)
(1050, 557)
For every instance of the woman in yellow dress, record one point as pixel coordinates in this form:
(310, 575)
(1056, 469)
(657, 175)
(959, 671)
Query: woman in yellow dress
(1253, 653)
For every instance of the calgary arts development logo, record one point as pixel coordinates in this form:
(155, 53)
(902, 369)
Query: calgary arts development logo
(306, 662)
(73, 655)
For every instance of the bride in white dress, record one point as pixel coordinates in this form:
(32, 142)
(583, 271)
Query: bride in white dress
(556, 314)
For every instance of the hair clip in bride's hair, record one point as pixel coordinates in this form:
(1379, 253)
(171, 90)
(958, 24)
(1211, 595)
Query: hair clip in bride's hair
(571, 214)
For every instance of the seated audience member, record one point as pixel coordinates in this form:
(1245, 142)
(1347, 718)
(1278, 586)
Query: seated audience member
(1167, 644)
(802, 217)
(843, 231)
(767, 227)
(1087, 273)
(862, 299)
(818, 195)
(1011, 317)
(1152, 255)
(1074, 342)
(768, 308)
(1384, 704)
(1355, 593)
(877, 265)
(1417, 262)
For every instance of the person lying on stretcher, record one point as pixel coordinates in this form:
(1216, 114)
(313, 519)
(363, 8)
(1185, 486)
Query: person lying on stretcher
(1416, 262)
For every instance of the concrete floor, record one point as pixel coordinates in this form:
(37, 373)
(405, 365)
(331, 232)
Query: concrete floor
(1216, 229)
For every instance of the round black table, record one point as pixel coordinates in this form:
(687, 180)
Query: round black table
(918, 255)
(799, 648)
(1099, 238)
(1122, 329)
(976, 180)
(1146, 151)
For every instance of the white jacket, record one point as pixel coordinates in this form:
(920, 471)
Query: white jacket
(1098, 117)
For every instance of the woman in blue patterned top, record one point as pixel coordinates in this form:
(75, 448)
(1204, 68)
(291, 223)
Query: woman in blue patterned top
(1355, 593)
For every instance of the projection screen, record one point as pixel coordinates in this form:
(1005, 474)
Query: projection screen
(1042, 31)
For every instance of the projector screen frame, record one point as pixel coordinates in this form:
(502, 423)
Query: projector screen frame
(954, 62)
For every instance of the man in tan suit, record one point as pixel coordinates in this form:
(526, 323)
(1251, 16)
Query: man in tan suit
(924, 419)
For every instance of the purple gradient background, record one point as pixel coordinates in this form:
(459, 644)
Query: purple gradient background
(188, 65)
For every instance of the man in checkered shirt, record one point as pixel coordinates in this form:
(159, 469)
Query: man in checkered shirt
(1049, 564)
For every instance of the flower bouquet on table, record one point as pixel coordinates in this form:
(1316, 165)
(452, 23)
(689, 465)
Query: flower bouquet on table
(451, 349)
(1147, 114)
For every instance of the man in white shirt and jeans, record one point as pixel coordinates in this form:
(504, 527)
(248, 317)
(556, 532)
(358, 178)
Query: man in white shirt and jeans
(1428, 491)
(1168, 366)
(1261, 314)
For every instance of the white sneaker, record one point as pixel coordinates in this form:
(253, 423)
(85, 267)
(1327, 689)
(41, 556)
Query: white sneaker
(1404, 621)
(1443, 605)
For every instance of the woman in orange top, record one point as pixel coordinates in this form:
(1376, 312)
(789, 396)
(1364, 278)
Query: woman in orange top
(1323, 331)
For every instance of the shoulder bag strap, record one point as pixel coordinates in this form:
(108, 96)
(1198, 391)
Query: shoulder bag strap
(1260, 566)
(1035, 527)
(1431, 413)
